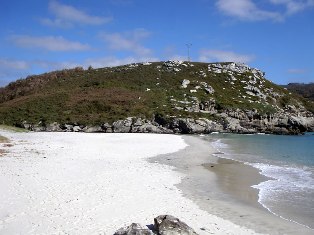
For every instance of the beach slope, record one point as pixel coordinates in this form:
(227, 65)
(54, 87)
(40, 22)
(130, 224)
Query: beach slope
(74, 183)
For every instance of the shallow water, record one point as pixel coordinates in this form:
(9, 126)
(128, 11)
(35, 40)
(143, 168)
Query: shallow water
(287, 160)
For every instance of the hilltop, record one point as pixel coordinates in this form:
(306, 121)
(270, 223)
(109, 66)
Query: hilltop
(162, 97)
(305, 90)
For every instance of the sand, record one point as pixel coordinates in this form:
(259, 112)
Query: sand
(223, 187)
(75, 183)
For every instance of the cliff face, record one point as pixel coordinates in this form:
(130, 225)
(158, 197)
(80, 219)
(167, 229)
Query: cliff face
(163, 97)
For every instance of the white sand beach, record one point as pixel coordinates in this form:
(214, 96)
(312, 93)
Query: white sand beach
(75, 183)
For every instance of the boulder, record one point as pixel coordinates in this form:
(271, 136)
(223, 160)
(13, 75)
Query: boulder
(93, 129)
(133, 229)
(170, 225)
(194, 126)
(188, 126)
(107, 128)
(185, 83)
(299, 123)
(38, 128)
(67, 127)
(77, 128)
(151, 128)
(310, 124)
(122, 126)
(144, 126)
(53, 127)
(234, 125)
(26, 125)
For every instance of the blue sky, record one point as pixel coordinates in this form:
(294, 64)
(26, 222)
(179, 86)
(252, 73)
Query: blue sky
(276, 36)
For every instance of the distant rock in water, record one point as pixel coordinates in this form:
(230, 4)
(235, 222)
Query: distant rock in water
(163, 225)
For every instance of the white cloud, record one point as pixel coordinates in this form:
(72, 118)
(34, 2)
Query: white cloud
(66, 16)
(111, 61)
(224, 56)
(294, 6)
(297, 71)
(50, 43)
(11, 69)
(13, 64)
(250, 11)
(246, 10)
(178, 57)
(55, 23)
(128, 41)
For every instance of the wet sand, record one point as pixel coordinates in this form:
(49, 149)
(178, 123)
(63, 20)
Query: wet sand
(236, 179)
(223, 188)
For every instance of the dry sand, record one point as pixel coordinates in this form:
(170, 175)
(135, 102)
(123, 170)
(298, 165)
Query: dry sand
(74, 183)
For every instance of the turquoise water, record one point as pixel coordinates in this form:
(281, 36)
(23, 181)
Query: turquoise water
(287, 160)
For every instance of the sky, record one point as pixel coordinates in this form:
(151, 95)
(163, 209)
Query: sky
(276, 36)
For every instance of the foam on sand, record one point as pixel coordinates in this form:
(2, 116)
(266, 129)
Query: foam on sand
(73, 183)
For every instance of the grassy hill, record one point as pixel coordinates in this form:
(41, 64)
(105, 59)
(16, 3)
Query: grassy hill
(144, 90)
(305, 90)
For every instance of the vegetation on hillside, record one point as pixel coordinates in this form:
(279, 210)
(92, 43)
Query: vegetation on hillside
(305, 92)
(96, 96)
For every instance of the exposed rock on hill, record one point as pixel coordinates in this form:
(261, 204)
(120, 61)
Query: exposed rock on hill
(163, 97)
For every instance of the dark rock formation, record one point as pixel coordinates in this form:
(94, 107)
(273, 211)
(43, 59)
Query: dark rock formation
(122, 126)
(170, 225)
(133, 229)
(194, 126)
(163, 225)
(226, 121)
(53, 127)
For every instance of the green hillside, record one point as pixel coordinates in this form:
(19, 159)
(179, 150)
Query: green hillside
(305, 90)
(165, 89)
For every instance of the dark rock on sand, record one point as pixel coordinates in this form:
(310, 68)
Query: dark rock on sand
(133, 229)
(169, 225)
(163, 225)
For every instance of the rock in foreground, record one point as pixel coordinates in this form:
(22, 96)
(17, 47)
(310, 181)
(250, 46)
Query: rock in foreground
(170, 225)
(133, 229)
(163, 225)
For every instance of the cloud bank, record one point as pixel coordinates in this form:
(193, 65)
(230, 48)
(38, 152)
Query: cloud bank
(249, 10)
(224, 56)
(50, 43)
(66, 16)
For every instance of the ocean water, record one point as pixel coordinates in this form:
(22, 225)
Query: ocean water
(289, 163)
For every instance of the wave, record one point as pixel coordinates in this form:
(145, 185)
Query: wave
(287, 176)
(288, 185)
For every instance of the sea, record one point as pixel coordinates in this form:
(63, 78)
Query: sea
(288, 161)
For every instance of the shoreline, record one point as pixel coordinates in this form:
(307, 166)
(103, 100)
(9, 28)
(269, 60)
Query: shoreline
(237, 179)
(99, 183)
(224, 189)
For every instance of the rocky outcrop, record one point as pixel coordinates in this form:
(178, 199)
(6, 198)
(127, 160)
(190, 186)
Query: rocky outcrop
(122, 126)
(163, 225)
(230, 121)
(185, 83)
(53, 127)
(194, 126)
